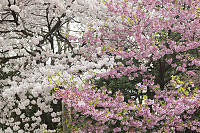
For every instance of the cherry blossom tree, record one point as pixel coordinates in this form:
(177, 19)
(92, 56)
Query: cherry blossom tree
(155, 45)
(35, 43)
(132, 67)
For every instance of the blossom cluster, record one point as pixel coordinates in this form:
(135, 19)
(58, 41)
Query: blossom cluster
(95, 110)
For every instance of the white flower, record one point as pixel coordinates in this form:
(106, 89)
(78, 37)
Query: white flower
(26, 120)
(20, 131)
(35, 40)
(8, 130)
(38, 113)
(38, 120)
(56, 119)
(55, 101)
(1, 39)
(7, 93)
(26, 125)
(22, 116)
(14, 8)
(15, 128)
(53, 120)
(18, 111)
(51, 110)
(11, 120)
(53, 114)
(26, 102)
(21, 106)
(33, 102)
(1, 105)
(43, 126)
(39, 1)
(80, 2)
(4, 2)
(98, 66)
(98, 50)
(36, 90)
(68, 13)
(81, 103)
(118, 57)
(110, 92)
(59, 113)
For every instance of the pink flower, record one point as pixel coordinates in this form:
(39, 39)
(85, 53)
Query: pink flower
(125, 128)
(197, 62)
(135, 75)
(129, 62)
(191, 73)
(179, 109)
(182, 69)
(173, 65)
(179, 128)
(169, 61)
(191, 111)
(117, 129)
